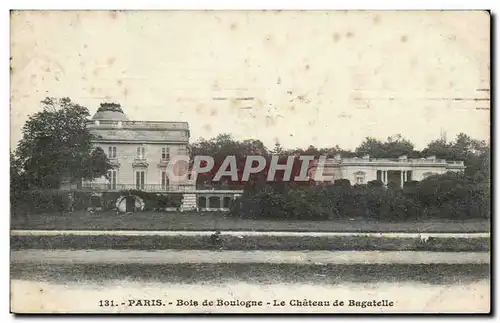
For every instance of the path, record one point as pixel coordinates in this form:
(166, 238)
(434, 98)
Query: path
(272, 257)
(242, 233)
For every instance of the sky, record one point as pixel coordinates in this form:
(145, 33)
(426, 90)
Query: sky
(299, 78)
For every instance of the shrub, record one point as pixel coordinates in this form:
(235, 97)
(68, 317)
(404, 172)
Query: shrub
(451, 196)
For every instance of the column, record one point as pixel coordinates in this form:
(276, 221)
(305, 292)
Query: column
(402, 177)
(221, 202)
(385, 177)
(207, 202)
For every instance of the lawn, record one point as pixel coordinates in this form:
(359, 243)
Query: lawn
(202, 273)
(211, 221)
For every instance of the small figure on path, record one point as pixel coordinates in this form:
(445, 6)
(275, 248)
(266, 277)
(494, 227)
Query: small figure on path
(216, 240)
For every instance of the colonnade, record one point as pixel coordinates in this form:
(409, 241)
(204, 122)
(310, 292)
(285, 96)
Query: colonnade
(385, 178)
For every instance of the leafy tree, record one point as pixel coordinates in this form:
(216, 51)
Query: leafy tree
(17, 182)
(439, 148)
(397, 146)
(393, 147)
(474, 153)
(15, 173)
(56, 146)
(371, 146)
(222, 146)
(278, 149)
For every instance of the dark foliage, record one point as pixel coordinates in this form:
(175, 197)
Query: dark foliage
(447, 196)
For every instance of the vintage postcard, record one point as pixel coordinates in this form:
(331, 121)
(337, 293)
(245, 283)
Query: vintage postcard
(250, 162)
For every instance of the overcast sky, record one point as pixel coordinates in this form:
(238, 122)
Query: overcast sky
(320, 78)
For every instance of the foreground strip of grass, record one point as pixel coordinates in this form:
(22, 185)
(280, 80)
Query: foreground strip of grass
(38, 256)
(242, 233)
(253, 242)
(211, 221)
(445, 274)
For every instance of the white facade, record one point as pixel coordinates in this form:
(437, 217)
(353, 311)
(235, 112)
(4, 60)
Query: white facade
(366, 169)
(139, 152)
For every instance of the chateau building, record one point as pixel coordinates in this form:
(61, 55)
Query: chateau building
(395, 170)
(139, 152)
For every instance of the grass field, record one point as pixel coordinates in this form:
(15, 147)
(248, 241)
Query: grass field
(257, 242)
(256, 273)
(211, 221)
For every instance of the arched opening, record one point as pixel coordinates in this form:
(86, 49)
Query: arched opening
(202, 202)
(226, 202)
(130, 203)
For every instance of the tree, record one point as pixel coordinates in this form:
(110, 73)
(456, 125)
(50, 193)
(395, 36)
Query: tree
(474, 153)
(439, 148)
(222, 146)
(397, 146)
(371, 146)
(393, 147)
(17, 182)
(15, 170)
(56, 146)
(278, 149)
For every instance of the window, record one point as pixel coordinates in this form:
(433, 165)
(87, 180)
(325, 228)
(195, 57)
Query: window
(141, 152)
(214, 202)
(164, 180)
(202, 202)
(111, 152)
(182, 150)
(359, 178)
(140, 178)
(112, 179)
(165, 153)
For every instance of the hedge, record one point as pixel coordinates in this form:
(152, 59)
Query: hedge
(450, 196)
(44, 201)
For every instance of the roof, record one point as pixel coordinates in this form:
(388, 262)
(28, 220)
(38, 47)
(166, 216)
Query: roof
(110, 111)
(134, 135)
(110, 124)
